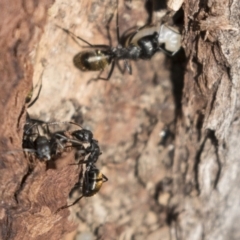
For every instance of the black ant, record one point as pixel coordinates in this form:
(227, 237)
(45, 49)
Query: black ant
(80, 137)
(93, 150)
(92, 183)
(58, 141)
(49, 145)
(33, 141)
(45, 144)
(141, 44)
(93, 178)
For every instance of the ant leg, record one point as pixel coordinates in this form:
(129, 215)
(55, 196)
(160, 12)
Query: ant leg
(95, 79)
(81, 162)
(27, 131)
(105, 79)
(122, 70)
(75, 143)
(77, 185)
(76, 124)
(59, 144)
(70, 205)
(105, 179)
(55, 123)
(108, 30)
(38, 94)
(110, 72)
(89, 161)
(80, 175)
(47, 124)
(80, 155)
(127, 65)
(97, 46)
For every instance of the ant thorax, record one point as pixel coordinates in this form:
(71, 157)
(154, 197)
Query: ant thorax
(132, 52)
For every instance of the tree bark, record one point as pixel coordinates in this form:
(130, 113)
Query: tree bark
(29, 196)
(181, 186)
(206, 161)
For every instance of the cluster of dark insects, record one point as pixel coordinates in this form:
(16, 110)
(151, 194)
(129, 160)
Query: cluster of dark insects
(46, 144)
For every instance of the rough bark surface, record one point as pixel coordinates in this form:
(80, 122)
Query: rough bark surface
(29, 196)
(181, 186)
(206, 161)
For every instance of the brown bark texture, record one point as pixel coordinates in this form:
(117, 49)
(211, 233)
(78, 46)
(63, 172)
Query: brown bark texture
(168, 132)
(28, 193)
(206, 160)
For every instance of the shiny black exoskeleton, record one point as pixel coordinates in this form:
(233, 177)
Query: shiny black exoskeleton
(93, 149)
(49, 144)
(92, 183)
(83, 135)
(43, 148)
(45, 144)
(36, 143)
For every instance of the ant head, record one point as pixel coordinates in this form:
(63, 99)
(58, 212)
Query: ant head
(83, 135)
(43, 149)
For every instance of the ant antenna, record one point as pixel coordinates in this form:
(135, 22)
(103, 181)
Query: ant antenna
(58, 123)
(76, 124)
(73, 36)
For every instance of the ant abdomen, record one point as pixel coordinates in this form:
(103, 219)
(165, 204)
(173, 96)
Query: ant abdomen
(93, 182)
(92, 60)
